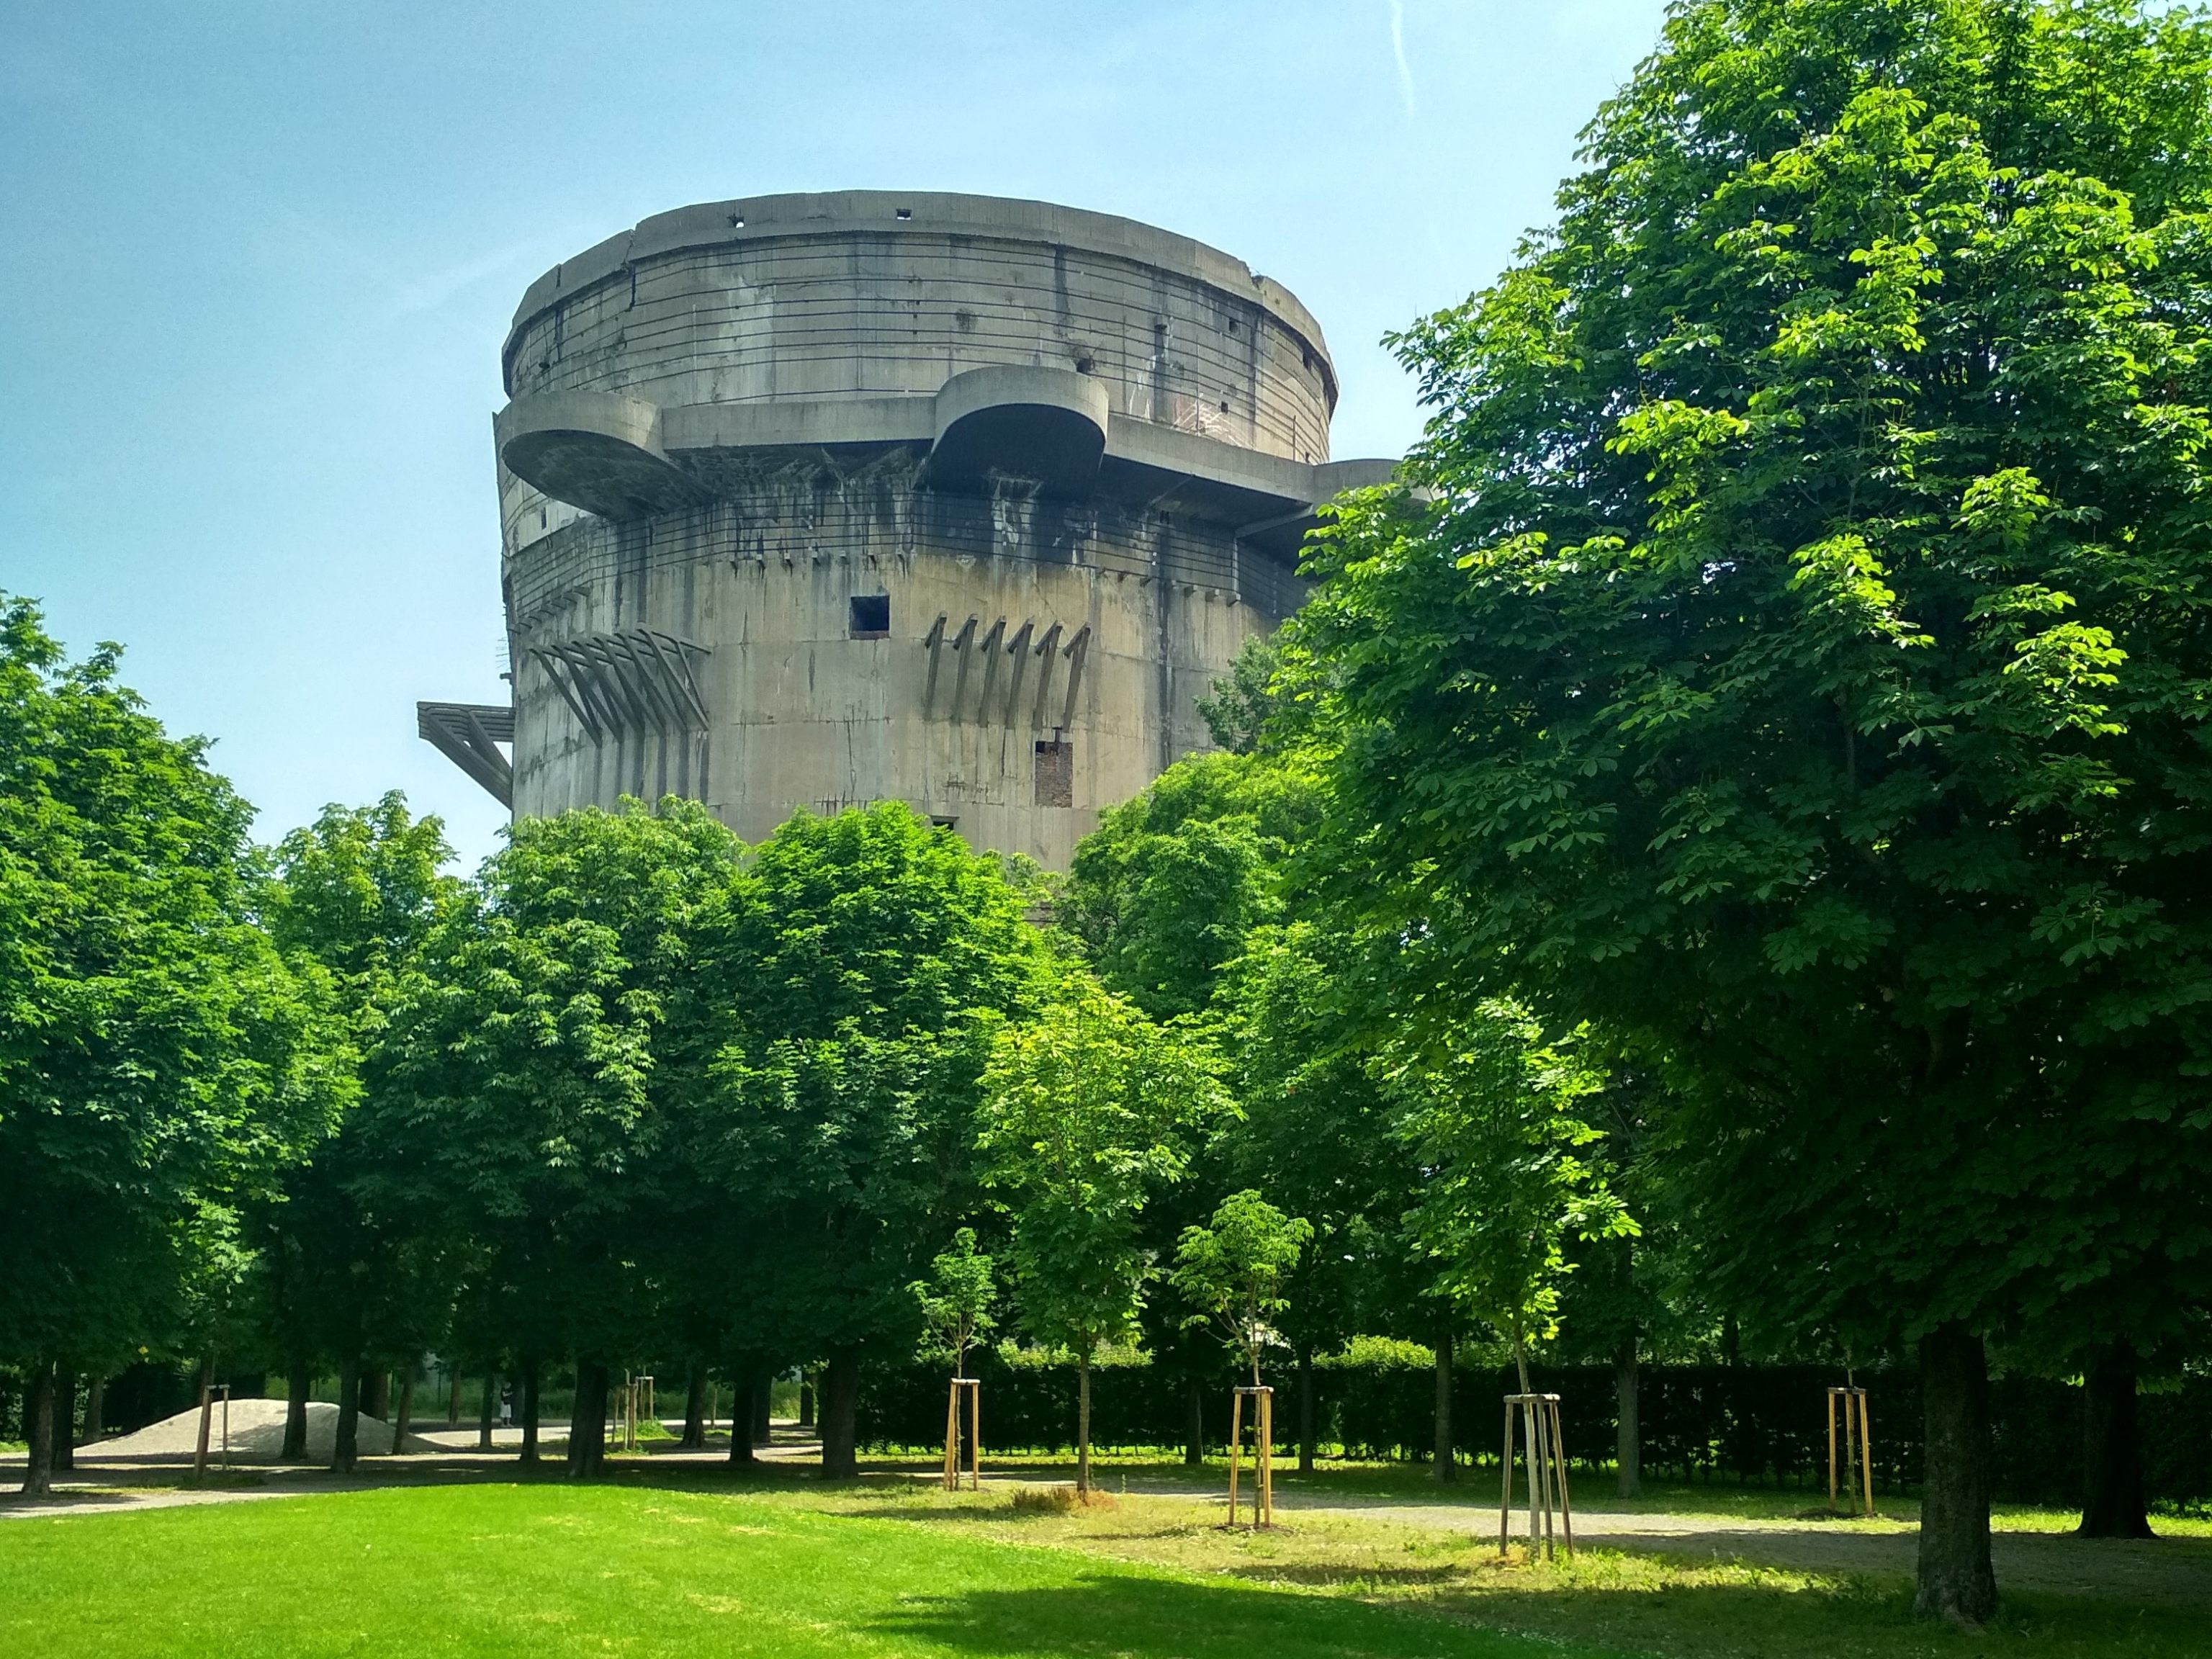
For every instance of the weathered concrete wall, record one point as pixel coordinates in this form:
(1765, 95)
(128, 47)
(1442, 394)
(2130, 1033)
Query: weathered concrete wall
(1036, 658)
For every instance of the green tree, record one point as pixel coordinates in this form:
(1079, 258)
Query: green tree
(160, 1063)
(1235, 1269)
(1209, 893)
(356, 892)
(1793, 658)
(1241, 710)
(1088, 1111)
(841, 1134)
(1300, 1015)
(1163, 895)
(1493, 1115)
(527, 1067)
(955, 1298)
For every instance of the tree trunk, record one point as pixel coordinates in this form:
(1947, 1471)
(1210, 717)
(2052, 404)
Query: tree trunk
(532, 1369)
(95, 1409)
(841, 1390)
(296, 1383)
(377, 1389)
(761, 1400)
(1629, 1446)
(805, 1403)
(695, 1409)
(39, 1430)
(345, 1449)
(1445, 1468)
(1194, 1445)
(2113, 1504)
(587, 1422)
(453, 1396)
(743, 1381)
(1305, 1410)
(1956, 1582)
(406, 1411)
(488, 1411)
(65, 1420)
(1083, 1425)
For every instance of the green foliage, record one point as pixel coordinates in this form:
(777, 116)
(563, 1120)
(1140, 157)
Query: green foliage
(839, 1137)
(521, 1069)
(1163, 893)
(1234, 1270)
(1796, 660)
(358, 893)
(955, 1298)
(161, 1064)
(1088, 1110)
(1242, 706)
(1493, 1115)
(359, 890)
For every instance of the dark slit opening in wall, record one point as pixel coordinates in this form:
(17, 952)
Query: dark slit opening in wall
(871, 616)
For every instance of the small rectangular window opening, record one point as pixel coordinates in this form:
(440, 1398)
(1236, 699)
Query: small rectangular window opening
(906, 213)
(1055, 773)
(940, 821)
(871, 615)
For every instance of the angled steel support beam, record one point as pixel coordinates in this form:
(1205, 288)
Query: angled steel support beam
(469, 735)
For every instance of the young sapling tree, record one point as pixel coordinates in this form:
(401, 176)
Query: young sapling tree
(955, 1299)
(1234, 1271)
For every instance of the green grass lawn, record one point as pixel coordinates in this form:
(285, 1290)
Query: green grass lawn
(555, 1570)
(659, 1562)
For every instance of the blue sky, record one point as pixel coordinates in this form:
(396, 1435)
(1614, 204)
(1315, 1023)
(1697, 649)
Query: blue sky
(261, 257)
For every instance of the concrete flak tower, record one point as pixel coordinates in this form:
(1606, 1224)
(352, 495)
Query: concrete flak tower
(821, 500)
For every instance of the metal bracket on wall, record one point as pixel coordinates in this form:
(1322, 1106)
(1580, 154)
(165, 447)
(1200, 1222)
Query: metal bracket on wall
(469, 735)
(994, 642)
(638, 680)
(1078, 649)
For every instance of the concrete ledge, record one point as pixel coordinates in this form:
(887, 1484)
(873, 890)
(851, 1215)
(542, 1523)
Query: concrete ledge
(800, 423)
(593, 450)
(622, 458)
(1048, 424)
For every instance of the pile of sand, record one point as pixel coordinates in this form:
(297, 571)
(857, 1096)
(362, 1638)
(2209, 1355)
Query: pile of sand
(257, 1434)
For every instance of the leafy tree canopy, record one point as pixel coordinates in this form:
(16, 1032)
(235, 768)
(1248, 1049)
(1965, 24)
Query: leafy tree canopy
(161, 1064)
(1163, 893)
(1797, 660)
(1235, 1269)
(955, 1298)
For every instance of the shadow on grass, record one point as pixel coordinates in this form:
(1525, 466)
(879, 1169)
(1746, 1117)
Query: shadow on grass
(1155, 1619)
(1168, 1619)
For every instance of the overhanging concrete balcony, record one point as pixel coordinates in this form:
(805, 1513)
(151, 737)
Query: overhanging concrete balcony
(622, 458)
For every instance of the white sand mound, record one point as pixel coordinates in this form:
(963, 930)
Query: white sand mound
(257, 1434)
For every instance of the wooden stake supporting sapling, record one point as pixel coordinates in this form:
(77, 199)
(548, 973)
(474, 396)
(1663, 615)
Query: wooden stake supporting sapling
(1858, 1449)
(1545, 1460)
(1263, 1452)
(966, 1391)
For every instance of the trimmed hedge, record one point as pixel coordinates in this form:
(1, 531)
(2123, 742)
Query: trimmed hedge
(1744, 1424)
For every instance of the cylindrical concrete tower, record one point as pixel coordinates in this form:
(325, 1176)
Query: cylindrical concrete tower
(817, 501)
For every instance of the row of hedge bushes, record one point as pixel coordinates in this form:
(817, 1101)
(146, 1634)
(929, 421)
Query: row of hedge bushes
(1758, 1426)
